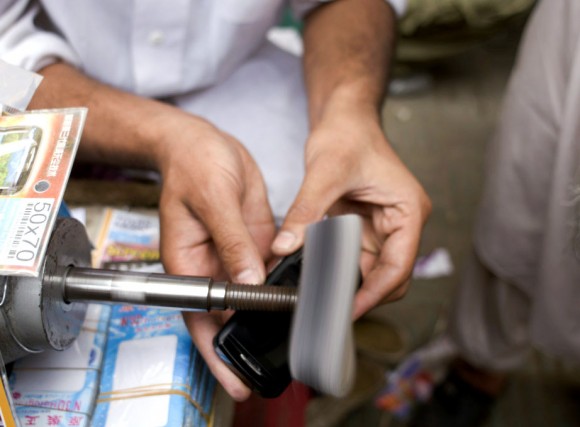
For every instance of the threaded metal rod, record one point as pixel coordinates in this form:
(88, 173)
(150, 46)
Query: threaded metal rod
(266, 298)
(163, 290)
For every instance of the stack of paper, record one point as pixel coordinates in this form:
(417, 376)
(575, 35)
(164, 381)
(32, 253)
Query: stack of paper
(202, 392)
(58, 388)
(152, 373)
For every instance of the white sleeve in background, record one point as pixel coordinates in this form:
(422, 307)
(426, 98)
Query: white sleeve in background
(399, 6)
(301, 7)
(25, 45)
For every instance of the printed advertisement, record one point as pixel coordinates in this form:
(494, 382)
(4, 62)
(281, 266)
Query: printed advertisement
(37, 150)
(127, 238)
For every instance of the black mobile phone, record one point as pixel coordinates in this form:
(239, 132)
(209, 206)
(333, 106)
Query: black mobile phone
(254, 344)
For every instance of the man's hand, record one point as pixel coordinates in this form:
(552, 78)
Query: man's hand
(214, 215)
(350, 167)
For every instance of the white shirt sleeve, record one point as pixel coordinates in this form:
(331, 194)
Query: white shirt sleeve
(301, 7)
(399, 6)
(25, 45)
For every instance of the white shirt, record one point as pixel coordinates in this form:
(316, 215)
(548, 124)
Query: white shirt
(149, 47)
(208, 57)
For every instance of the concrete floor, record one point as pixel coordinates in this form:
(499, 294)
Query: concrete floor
(441, 134)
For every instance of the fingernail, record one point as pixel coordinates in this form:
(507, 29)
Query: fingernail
(285, 240)
(249, 276)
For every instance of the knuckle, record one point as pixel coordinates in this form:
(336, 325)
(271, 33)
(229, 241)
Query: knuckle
(302, 211)
(231, 248)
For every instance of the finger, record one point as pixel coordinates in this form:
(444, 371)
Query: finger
(223, 218)
(258, 215)
(203, 327)
(232, 238)
(318, 193)
(392, 269)
(185, 253)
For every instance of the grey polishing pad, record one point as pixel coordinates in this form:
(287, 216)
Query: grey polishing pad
(322, 353)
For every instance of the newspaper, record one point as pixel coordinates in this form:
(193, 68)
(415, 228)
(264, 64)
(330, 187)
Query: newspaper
(128, 240)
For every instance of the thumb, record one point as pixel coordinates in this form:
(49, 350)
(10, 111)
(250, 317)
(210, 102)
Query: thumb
(317, 194)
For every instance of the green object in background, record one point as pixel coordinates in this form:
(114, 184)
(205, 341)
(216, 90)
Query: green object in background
(474, 14)
(437, 29)
(289, 20)
(432, 30)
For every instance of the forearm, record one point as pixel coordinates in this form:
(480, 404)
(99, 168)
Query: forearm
(348, 48)
(121, 129)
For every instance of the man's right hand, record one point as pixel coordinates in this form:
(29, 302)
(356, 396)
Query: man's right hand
(215, 217)
(215, 221)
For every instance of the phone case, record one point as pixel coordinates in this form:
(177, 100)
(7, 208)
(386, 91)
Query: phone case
(255, 344)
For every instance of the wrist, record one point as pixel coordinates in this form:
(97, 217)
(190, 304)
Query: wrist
(152, 131)
(165, 133)
(353, 98)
